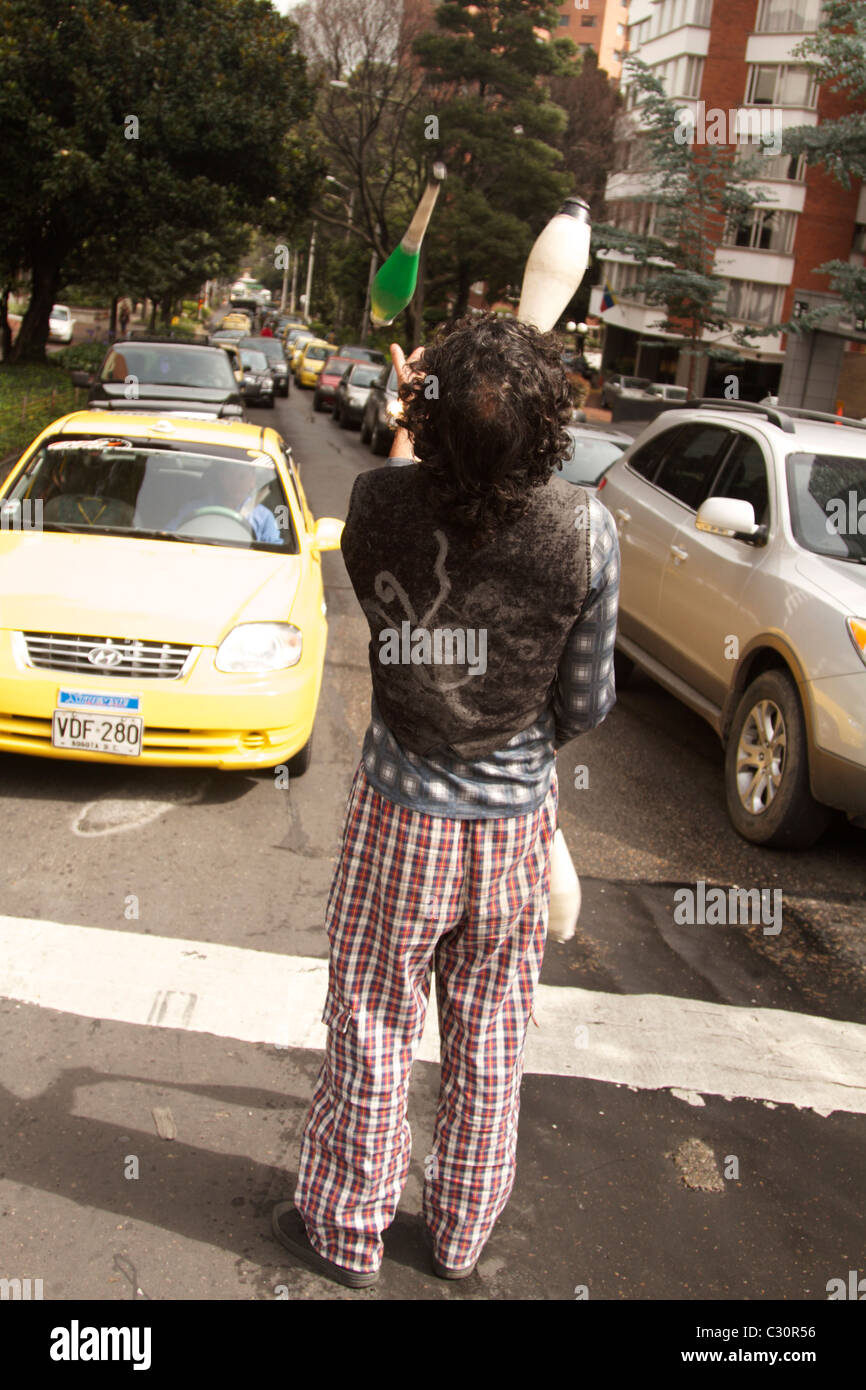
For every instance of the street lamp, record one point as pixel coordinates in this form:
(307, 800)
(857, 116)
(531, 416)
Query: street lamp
(329, 178)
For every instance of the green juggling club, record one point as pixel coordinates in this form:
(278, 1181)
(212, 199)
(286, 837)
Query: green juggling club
(395, 281)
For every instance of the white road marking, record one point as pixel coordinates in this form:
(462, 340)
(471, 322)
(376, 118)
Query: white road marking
(648, 1041)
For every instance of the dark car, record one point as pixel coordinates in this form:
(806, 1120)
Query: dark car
(381, 412)
(362, 354)
(351, 395)
(258, 387)
(329, 380)
(593, 449)
(273, 350)
(166, 377)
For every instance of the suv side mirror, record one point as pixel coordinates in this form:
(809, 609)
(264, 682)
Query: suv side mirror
(86, 379)
(729, 516)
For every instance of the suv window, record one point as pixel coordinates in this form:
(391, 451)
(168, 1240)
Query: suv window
(688, 471)
(646, 460)
(744, 475)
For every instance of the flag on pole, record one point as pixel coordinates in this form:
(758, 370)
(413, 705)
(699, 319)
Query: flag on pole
(608, 299)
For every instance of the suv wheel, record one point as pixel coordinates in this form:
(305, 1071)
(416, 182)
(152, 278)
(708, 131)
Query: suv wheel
(767, 768)
(365, 430)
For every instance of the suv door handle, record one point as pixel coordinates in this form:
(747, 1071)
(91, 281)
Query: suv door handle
(679, 554)
(621, 517)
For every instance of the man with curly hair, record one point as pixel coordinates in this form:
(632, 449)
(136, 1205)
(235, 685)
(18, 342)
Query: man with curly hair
(490, 590)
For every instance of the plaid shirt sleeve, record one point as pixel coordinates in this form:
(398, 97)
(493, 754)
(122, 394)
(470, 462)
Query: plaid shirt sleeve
(584, 690)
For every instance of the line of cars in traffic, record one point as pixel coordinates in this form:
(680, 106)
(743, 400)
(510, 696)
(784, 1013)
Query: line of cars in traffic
(742, 531)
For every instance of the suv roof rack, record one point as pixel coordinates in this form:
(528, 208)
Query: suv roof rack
(773, 413)
(781, 415)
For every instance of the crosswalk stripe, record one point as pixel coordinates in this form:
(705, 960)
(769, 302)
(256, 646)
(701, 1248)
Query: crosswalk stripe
(646, 1041)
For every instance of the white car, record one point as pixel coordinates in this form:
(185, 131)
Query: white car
(742, 533)
(668, 392)
(60, 324)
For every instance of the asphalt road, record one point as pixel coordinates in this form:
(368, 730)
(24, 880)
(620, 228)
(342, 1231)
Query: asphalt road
(692, 1121)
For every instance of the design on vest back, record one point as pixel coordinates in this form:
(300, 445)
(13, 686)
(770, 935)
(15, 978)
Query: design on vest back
(418, 644)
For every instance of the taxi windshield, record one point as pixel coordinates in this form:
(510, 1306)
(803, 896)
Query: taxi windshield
(210, 495)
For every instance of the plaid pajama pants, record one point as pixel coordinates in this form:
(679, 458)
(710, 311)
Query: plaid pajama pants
(470, 899)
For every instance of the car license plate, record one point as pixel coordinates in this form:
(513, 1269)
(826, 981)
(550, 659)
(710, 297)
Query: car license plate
(98, 723)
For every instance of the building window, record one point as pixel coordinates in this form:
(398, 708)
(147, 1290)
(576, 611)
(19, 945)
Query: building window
(770, 229)
(791, 167)
(859, 245)
(753, 302)
(775, 85)
(694, 71)
(563, 21)
(587, 21)
(788, 16)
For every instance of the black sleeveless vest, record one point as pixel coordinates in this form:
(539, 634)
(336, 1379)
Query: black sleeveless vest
(464, 641)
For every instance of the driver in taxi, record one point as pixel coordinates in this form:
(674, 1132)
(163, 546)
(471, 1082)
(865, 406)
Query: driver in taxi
(228, 485)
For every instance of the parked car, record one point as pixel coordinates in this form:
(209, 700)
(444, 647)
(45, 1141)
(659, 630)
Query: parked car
(594, 448)
(164, 377)
(273, 350)
(60, 324)
(618, 385)
(311, 361)
(191, 630)
(351, 395)
(667, 391)
(362, 354)
(744, 594)
(329, 380)
(258, 386)
(382, 411)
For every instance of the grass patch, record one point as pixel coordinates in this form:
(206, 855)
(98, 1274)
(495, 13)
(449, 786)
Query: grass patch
(31, 397)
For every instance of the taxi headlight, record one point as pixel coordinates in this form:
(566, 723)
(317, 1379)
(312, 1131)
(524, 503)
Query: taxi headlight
(260, 647)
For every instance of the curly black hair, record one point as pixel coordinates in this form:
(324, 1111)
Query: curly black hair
(487, 413)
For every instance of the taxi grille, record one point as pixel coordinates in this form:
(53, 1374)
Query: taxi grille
(107, 656)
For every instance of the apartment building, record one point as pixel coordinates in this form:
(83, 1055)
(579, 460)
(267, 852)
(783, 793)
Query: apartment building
(597, 24)
(734, 59)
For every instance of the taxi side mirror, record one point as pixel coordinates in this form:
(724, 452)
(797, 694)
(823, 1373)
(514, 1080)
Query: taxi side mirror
(328, 533)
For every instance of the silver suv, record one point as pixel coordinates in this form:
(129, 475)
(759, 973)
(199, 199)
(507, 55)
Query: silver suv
(742, 532)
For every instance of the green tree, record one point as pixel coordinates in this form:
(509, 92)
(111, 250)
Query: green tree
(837, 55)
(690, 192)
(145, 120)
(489, 74)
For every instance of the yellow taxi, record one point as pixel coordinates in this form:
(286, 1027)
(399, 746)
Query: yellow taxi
(162, 595)
(297, 347)
(312, 360)
(237, 320)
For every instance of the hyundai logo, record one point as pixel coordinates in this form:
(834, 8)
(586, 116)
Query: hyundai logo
(105, 656)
